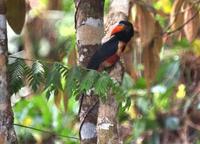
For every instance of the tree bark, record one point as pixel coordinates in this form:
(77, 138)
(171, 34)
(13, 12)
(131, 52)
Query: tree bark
(89, 32)
(107, 118)
(7, 133)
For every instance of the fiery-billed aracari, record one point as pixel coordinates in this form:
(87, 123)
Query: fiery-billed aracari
(110, 51)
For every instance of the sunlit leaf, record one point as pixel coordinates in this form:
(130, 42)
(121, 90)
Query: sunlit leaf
(164, 5)
(49, 91)
(27, 121)
(37, 6)
(196, 46)
(132, 112)
(140, 83)
(181, 91)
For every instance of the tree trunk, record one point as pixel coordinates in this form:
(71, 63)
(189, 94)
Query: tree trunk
(107, 119)
(89, 29)
(7, 133)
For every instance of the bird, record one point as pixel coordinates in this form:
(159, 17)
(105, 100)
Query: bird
(110, 51)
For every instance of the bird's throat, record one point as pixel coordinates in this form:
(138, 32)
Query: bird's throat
(121, 48)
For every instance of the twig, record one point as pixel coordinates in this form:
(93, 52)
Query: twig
(189, 102)
(33, 60)
(180, 27)
(186, 9)
(45, 131)
(193, 125)
(15, 57)
(86, 113)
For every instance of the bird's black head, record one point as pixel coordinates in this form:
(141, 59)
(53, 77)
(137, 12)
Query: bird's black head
(123, 31)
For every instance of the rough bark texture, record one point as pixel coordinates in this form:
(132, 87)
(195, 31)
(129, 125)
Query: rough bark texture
(7, 133)
(89, 29)
(107, 118)
(107, 130)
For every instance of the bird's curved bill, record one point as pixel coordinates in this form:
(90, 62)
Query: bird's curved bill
(117, 29)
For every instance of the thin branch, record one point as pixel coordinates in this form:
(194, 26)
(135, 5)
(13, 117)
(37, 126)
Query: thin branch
(188, 103)
(180, 27)
(193, 125)
(175, 19)
(186, 9)
(45, 131)
(33, 60)
(26, 59)
(86, 113)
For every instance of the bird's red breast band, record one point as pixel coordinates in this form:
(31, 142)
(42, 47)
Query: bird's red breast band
(117, 29)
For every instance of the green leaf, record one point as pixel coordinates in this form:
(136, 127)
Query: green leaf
(37, 76)
(143, 104)
(88, 80)
(73, 78)
(102, 86)
(54, 77)
(183, 43)
(49, 91)
(139, 128)
(140, 84)
(16, 74)
(62, 68)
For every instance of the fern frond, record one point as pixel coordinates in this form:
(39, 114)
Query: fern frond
(36, 77)
(61, 68)
(54, 77)
(88, 80)
(72, 82)
(102, 85)
(16, 74)
(49, 91)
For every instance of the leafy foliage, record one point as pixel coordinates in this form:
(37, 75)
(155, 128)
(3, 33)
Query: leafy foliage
(102, 85)
(36, 75)
(17, 71)
(151, 115)
(73, 81)
(89, 80)
(53, 79)
(37, 112)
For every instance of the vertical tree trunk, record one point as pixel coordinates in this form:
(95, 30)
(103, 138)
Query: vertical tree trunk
(107, 119)
(89, 28)
(7, 133)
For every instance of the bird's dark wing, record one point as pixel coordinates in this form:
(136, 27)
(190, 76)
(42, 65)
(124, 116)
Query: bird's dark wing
(107, 49)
